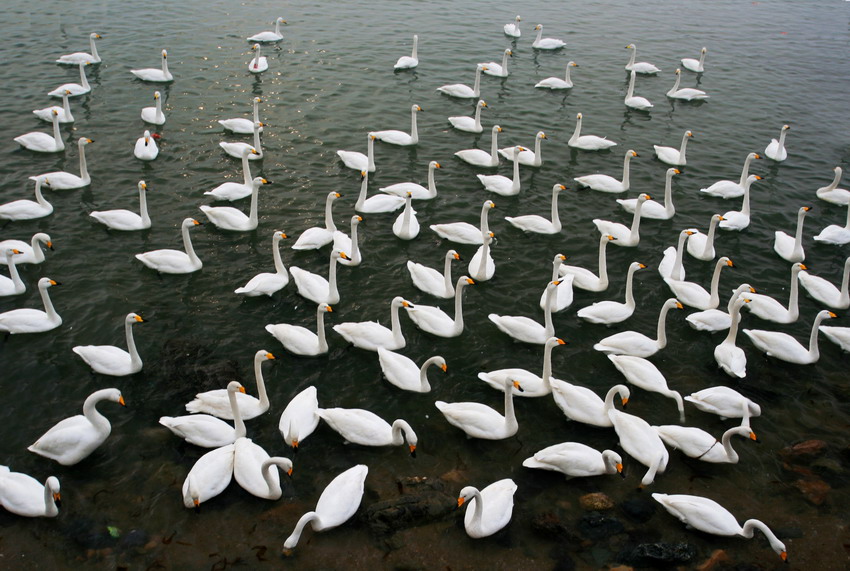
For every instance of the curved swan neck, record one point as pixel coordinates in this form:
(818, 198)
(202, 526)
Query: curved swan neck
(752, 524)
(745, 172)
(266, 470)
(477, 121)
(100, 423)
(261, 384)
(93, 47)
(715, 282)
(424, 385)
(539, 35)
(626, 173)
(361, 198)
(447, 271)
(238, 423)
(735, 316)
(814, 352)
(48, 304)
(609, 398)
(395, 324)
(50, 509)
(633, 56)
(661, 331)
(400, 430)
(135, 359)
(726, 441)
(292, 540)
(675, 87)
(278, 261)
(187, 245)
(478, 512)
(320, 329)
(13, 269)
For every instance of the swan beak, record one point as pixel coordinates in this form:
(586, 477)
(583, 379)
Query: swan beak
(561, 342)
(460, 501)
(807, 208)
(287, 552)
(803, 267)
(412, 451)
(574, 64)
(543, 136)
(625, 401)
(269, 356)
(289, 472)
(15, 251)
(196, 223)
(641, 266)
(444, 367)
(518, 387)
(470, 281)
(562, 187)
(362, 175)
(197, 503)
(730, 264)
(50, 244)
(121, 401)
(456, 256)
(54, 283)
(57, 498)
(758, 156)
(754, 438)
(619, 467)
(832, 315)
(266, 181)
(557, 282)
(139, 319)
(677, 171)
(242, 390)
(295, 445)
(610, 237)
(499, 130)
(720, 218)
(406, 304)
(784, 556)
(437, 166)
(634, 154)
(679, 305)
(752, 290)
(254, 151)
(344, 256)
(329, 309)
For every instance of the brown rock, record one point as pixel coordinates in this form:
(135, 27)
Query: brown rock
(597, 501)
(717, 556)
(621, 568)
(815, 491)
(805, 451)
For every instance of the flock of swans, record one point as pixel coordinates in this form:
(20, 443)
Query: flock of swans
(235, 456)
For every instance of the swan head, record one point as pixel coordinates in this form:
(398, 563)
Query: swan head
(631, 47)
(638, 266)
(235, 387)
(517, 386)
(189, 222)
(689, 133)
(263, 354)
(481, 102)
(468, 280)
(326, 307)
(727, 261)
(541, 135)
(509, 52)
(631, 153)
(164, 54)
(344, 256)
(282, 21)
(52, 484)
(572, 64)
(805, 209)
(673, 171)
(134, 318)
(416, 108)
(156, 95)
(678, 72)
(497, 129)
(279, 235)
(559, 187)
(435, 164)
(454, 254)
(538, 27)
(45, 283)
(644, 197)
(465, 495)
(490, 204)
(704, 51)
(259, 181)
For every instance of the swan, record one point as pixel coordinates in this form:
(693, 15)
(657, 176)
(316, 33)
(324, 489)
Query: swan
(338, 502)
(406, 226)
(557, 82)
(241, 125)
(71, 440)
(583, 405)
(563, 296)
(699, 444)
(63, 113)
(209, 477)
(42, 142)
(82, 57)
(786, 348)
(502, 184)
(481, 421)
(835, 234)
(229, 218)
(512, 29)
(349, 244)
(740, 219)
(358, 161)
(479, 158)
(482, 267)
(111, 360)
(464, 91)
(730, 188)
(725, 402)
(370, 335)
(642, 373)
(768, 308)
(709, 516)
(831, 192)
(61, 180)
(464, 232)
(402, 372)
(532, 385)
(651, 208)
(29, 253)
(584, 278)
(300, 340)
(694, 295)
(641, 442)
(686, 93)
(153, 74)
(701, 246)
(208, 431)
(269, 36)
(625, 236)
(541, 43)
(638, 344)
(256, 471)
(434, 320)
(237, 190)
(470, 124)
(716, 319)
(495, 69)
(417, 191)
(792, 248)
(489, 509)
(23, 495)
(13, 285)
(671, 156)
(267, 283)
(606, 183)
(525, 329)
(154, 115)
(169, 261)
(838, 335)
(609, 312)
(641, 66)
(539, 224)
(26, 320)
(576, 460)
(145, 148)
(316, 288)
(73, 89)
(729, 356)
(316, 237)
(236, 149)
(411, 61)
(217, 403)
(695, 65)
(633, 101)
(775, 150)
(819, 288)
(671, 263)
(121, 219)
(378, 203)
(258, 63)
(526, 157)
(430, 280)
(300, 417)
(368, 429)
(28, 209)
(588, 142)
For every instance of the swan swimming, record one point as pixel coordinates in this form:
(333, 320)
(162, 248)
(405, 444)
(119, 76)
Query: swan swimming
(153, 74)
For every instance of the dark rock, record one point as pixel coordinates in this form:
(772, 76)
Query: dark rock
(423, 501)
(598, 526)
(653, 554)
(89, 534)
(548, 524)
(564, 563)
(596, 502)
(639, 510)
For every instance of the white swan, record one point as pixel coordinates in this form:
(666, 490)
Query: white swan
(701, 246)
(695, 65)
(153, 74)
(831, 192)
(349, 244)
(237, 190)
(584, 278)
(538, 224)
(357, 160)
(217, 403)
(145, 148)
(61, 180)
(482, 267)
(740, 219)
(557, 82)
(641, 66)
(417, 191)
(495, 69)
(532, 385)
(300, 340)
(83, 57)
(368, 429)
(685, 93)
(73, 89)
(526, 157)
(725, 402)
(488, 510)
(709, 516)
(338, 502)
(13, 285)
(576, 460)
(241, 125)
(267, 283)
(587, 142)
(479, 158)
(768, 308)
(633, 101)
(541, 43)
(785, 347)
(316, 288)
(406, 225)
(122, 219)
(463, 91)
(402, 372)
(154, 115)
(481, 421)
(638, 344)
(716, 319)
(432, 281)
(29, 253)
(501, 184)
(378, 203)
(792, 248)
(370, 335)
(641, 442)
(169, 261)
(27, 320)
(236, 149)
(470, 124)
(24, 209)
(693, 294)
(464, 232)
(256, 471)
(300, 417)
(563, 296)
(835, 234)
(71, 440)
(775, 150)
(209, 476)
(583, 405)
(671, 265)
(625, 235)
(208, 431)
(525, 329)
(229, 218)
(63, 113)
(609, 312)
(672, 156)
(606, 183)
(729, 356)
(23, 495)
(112, 360)
(411, 61)
(316, 237)
(699, 444)
(819, 288)
(42, 142)
(434, 320)
(512, 28)
(269, 36)
(651, 208)
(838, 335)
(642, 373)
(730, 188)
(259, 63)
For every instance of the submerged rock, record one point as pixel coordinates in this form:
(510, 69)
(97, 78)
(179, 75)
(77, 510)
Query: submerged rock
(423, 501)
(598, 526)
(803, 452)
(596, 502)
(652, 554)
(639, 510)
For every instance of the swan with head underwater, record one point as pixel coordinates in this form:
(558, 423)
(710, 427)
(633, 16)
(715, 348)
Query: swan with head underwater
(121, 219)
(27, 320)
(29, 253)
(73, 89)
(609, 312)
(557, 82)
(209, 431)
(146, 148)
(588, 142)
(82, 57)
(730, 188)
(241, 125)
(259, 63)
(237, 190)
(417, 191)
(489, 510)
(633, 101)
(641, 66)
(229, 218)
(411, 61)
(155, 75)
(25, 209)
(315, 287)
(606, 183)
(685, 93)
(370, 335)
(269, 36)
(463, 91)
(236, 149)
(775, 150)
(23, 495)
(481, 421)
(479, 158)
(154, 115)
(217, 403)
(651, 208)
(532, 385)
(526, 157)
(576, 460)
(42, 142)
(525, 329)
(437, 322)
(112, 360)
(541, 43)
(725, 402)
(168, 261)
(267, 283)
(785, 347)
(697, 443)
(824, 291)
(63, 113)
(402, 372)
(470, 124)
(638, 344)
(464, 232)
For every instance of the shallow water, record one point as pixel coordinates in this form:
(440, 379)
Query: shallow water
(330, 81)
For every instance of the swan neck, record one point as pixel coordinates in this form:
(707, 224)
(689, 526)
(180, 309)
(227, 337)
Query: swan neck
(278, 261)
(320, 330)
(292, 540)
(539, 35)
(333, 291)
(48, 304)
(478, 512)
(668, 193)
(407, 215)
(38, 196)
(432, 184)
(247, 179)
(255, 193)
(100, 423)
(187, 245)
(548, 326)
(814, 352)
(238, 423)
(675, 87)
(709, 241)
(57, 136)
(84, 81)
(458, 322)
(510, 414)
(494, 150)
(50, 509)
(477, 122)
(329, 218)
(395, 325)
(635, 231)
(257, 104)
(631, 90)
(485, 254)
(847, 224)
(266, 470)
(577, 132)
(484, 224)
(798, 236)
(661, 332)
(782, 138)
(745, 172)
(715, 282)
(735, 316)
(66, 106)
(547, 365)
(261, 384)
(447, 272)
(414, 53)
(630, 296)
(515, 181)
(603, 262)
(626, 172)
(745, 206)
(538, 159)
(424, 385)
(793, 307)
(726, 441)
(93, 47)
(361, 198)
(400, 430)
(135, 359)
(683, 148)
(370, 154)
(632, 57)
(567, 76)
(752, 524)
(165, 67)
(13, 269)
(476, 88)
(257, 144)
(556, 220)
(355, 244)
(845, 280)
(84, 169)
(158, 114)
(414, 133)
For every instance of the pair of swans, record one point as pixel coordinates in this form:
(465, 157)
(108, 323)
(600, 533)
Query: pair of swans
(787, 348)
(541, 43)
(406, 225)
(538, 224)
(820, 289)
(13, 285)
(237, 190)
(685, 93)
(300, 340)
(357, 160)
(607, 183)
(464, 232)
(259, 63)
(695, 65)
(346, 243)
(237, 149)
(267, 283)
(73, 89)
(23, 495)
(671, 265)
(716, 319)
(379, 203)
(25, 209)
(488, 510)
(396, 137)
(482, 267)
(730, 188)
(300, 417)
(206, 430)
(791, 248)
(269, 35)
(836, 234)
(638, 344)
(154, 114)
(532, 385)
(831, 192)
(693, 294)
(641, 66)
(496, 69)
(315, 287)
(740, 219)
(370, 335)
(434, 320)
(82, 57)
(642, 373)
(42, 142)
(61, 180)
(526, 157)
(576, 460)
(651, 208)
(112, 360)
(583, 405)
(366, 428)
(627, 236)
(411, 61)
(775, 150)
(501, 184)
(168, 261)
(610, 312)
(729, 356)
(29, 253)
(525, 329)
(161, 75)
(462, 91)
(673, 156)
(71, 440)
(481, 421)
(633, 101)
(229, 218)
(562, 297)
(28, 320)
(431, 281)
(241, 125)
(588, 142)
(217, 402)
(557, 82)
(317, 237)
(63, 113)
(121, 219)
(404, 373)
(479, 158)
(146, 148)
(416, 190)
(470, 124)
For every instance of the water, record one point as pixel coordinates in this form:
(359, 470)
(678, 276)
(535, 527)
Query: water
(330, 81)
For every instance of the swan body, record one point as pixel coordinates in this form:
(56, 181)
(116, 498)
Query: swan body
(638, 344)
(693, 294)
(470, 124)
(124, 219)
(642, 373)
(169, 261)
(838, 335)
(368, 429)
(417, 191)
(724, 402)
(775, 150)
(155, 75)
(557, 82)
(256, 471)
(300, 417)
(267, 283)
(315, 287)
(481, 421)
(378, 203)
(434, 320)
(209, 477)
(495, 69)
(835, 234)
(146, 148)
(785, 347)
(489, 510)
(539, 224)
(541, 43)
(609, 312)
(406, 225)
(701, 246)
(111, 360)
(27, 320)
(699, 444)
(23, 495)
(586, 279)
(792, 248)
(351, 244)
(42, 142)
(525, 329)
(695, 65)
(217, 402)
(685, 93)
(482, 267)
(532, 385)
(671, 265)
(716, 319)
(432, 281)
(526, 157)
(625, 236)
(259, 63)
(583, 405)
(300, 340)
(588, 142)
(740, 219)
(576, 460)
(411, 61)
(241, 125)
(268, 35)
(402, 372)
(13, 285)
(635, 101)
(74, 438)
(28, 253)
(462, 91)
(28, 209)
(208, 431)
(641, 66)
(370, 335)
(82, 57)
(357, 160)
(61, 180)
(641, 442)
(237, 149)
(651, 208)
(154, 115)
(606, 183)
(62, 113)
(316, 237)
(831, 192)
(730, 188)
(464, 232)
(502, 184)
(512, 28)
(479, 158)
(768, 308)
(395, 137)
(229, 218)
(819, 288)
(672, 156)
(73, 89)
